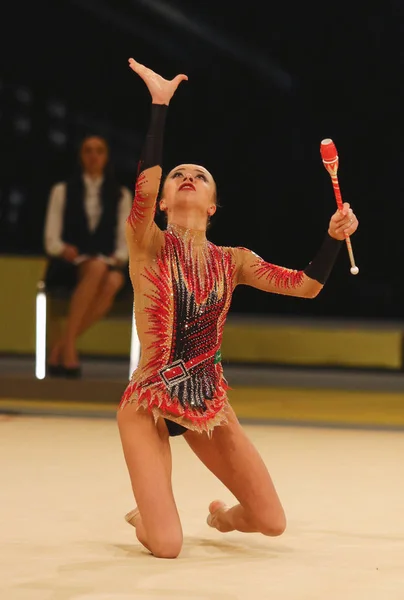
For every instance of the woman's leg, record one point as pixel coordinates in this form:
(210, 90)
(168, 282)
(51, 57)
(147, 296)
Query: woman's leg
(147, 453)
(108, 288)
(102, 304)
(231, 456)
(91, 274)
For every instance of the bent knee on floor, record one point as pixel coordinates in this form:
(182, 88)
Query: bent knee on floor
(169, 547)
(272, 526)
(167, 552)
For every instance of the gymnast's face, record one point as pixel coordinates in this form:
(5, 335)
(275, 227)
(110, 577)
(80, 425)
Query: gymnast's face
(189, 188)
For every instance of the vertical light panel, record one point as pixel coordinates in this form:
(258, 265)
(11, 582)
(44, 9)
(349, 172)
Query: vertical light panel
(134, 346)
(40, 345)
(40, 341)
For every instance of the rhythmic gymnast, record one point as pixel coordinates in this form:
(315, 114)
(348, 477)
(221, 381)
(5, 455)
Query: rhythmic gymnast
(183, 286)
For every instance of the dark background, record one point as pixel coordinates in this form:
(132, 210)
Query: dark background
(267, 82)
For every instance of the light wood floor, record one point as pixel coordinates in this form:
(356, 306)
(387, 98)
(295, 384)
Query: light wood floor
(64, 490)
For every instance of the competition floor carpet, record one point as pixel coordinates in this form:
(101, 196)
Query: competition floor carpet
(64, 490)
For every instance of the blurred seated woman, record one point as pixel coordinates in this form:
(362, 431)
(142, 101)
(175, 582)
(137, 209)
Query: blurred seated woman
(85, 238)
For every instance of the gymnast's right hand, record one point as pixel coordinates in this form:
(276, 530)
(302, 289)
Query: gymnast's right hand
(161, 90)
(70, 253)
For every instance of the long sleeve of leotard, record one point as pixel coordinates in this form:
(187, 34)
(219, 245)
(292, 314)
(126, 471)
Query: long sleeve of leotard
(253, 271)
(140, 223)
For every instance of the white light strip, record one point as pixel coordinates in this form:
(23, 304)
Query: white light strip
(40, 350)
(134, 347)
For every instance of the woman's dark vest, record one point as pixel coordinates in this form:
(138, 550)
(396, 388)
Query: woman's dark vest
(75, 225)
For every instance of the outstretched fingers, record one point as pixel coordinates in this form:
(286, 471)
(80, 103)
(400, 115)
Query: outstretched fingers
(150, 76)
(177, 80)
(137, 67)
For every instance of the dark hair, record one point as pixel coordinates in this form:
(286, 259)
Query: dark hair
(109, 170)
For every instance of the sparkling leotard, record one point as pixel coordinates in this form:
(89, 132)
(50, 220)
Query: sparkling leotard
(183, 285)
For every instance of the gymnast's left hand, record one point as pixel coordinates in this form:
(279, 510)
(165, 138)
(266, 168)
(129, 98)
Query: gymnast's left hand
(161, 90)
(343, 222)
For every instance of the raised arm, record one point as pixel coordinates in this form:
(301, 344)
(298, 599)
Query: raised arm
(256, 272)
(140, 223)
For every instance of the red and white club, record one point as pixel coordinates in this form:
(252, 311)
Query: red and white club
(330, 161)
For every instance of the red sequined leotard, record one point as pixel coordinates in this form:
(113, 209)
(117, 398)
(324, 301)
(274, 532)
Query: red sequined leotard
(183, 286)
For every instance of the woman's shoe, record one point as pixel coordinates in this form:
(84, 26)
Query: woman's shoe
(72, 372)
(55, 370)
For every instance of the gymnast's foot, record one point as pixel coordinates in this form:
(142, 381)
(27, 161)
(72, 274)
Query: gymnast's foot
(216, 510)
(132, 516)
